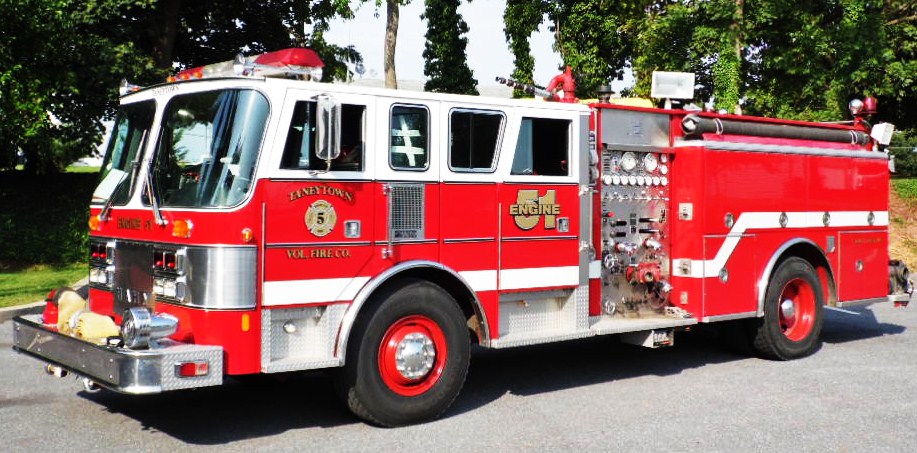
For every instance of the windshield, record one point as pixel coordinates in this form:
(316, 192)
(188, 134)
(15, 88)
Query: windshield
(208, 148)
(122, 158)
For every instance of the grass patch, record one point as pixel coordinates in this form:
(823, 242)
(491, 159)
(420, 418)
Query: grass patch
(82, 169)
(905, 187)
(26, 284)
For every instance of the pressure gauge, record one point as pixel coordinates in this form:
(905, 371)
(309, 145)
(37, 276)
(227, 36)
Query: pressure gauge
(656, 180)
(664, 169)
(616, 180)
(632, 180)
(606, 179)
(628, 161)
(664, 181)
(650, 163)
(639, 180)
(616, 161)
(663, 158)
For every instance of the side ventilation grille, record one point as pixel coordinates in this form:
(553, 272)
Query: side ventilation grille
(406, 212)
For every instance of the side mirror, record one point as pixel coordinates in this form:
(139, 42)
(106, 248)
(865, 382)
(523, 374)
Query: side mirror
(328, 128)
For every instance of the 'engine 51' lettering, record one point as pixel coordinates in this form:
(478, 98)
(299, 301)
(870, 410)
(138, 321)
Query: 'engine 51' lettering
(530, 207)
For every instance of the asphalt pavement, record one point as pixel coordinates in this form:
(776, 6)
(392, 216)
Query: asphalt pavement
(857, 394)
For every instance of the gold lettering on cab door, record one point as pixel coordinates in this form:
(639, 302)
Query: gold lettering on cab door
(529, 208)
(321, 190)
(304, 254)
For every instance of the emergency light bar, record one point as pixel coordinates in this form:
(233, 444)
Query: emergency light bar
(279, 63)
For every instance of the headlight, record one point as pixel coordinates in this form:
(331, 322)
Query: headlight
(139, 327)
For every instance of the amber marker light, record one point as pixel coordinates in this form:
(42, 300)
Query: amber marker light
(95, 223)
(248, 235)
(182, 228)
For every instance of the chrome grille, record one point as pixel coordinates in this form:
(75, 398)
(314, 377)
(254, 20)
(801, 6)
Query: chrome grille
(133, 282)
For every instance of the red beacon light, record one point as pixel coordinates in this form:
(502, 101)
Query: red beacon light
(298, 61)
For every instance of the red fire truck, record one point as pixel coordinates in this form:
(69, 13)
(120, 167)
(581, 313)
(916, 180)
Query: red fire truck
(249, 222)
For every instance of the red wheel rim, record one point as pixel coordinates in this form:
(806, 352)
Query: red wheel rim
(796, 309)
(412, 355)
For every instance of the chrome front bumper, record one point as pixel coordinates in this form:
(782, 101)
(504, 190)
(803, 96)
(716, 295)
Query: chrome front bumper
(151, 370)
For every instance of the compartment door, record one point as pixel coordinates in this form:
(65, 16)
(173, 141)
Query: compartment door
(863, 269)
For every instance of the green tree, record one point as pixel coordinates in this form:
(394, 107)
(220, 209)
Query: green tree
(784, 58)
(444, 55)
(904, 148)
(521, 18)
(594, 37)
(59, 71)
(62, 60)
(209, 31)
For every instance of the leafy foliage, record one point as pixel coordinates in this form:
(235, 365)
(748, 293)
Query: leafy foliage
(59, 69)
(61, 60)
(444, 52)
(593, 36)
(522, 18)
(798, 60)
(904, 148)
(48, 214)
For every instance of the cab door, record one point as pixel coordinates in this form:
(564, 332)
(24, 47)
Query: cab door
(541, 206)
(318, 215)
(543, 269)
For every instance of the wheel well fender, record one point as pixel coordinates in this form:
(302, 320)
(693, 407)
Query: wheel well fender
(809, 251)
(445, 277)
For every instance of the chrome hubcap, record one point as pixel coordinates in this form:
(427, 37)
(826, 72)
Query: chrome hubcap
(415, 356)
(788, 310)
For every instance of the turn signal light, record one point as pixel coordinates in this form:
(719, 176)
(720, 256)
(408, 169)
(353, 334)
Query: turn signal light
(95, 223)
(248, 235)
(182, 228)
(192, 369)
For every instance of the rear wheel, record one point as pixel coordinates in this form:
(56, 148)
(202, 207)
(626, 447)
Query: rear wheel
(408, 357)
(792, 321)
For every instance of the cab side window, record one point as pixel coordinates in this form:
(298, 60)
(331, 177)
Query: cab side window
(299, 152)
(408, 146)
(543, 147)
(473, 140)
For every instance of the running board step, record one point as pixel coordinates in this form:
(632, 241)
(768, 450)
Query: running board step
(605, 325)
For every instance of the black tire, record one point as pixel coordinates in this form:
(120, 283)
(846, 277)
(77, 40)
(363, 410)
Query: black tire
(424, 318)
(793, 318)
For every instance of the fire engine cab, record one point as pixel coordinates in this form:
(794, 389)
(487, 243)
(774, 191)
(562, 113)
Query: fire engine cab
(248, 222)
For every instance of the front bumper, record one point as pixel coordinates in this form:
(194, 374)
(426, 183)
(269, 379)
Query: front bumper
(152, 370)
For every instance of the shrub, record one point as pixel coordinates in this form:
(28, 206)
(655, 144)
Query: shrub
(902, 147)
(44, 217)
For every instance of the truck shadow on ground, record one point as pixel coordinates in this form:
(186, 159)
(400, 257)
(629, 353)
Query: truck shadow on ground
(270, 405)
(257, 406)
(859, 324)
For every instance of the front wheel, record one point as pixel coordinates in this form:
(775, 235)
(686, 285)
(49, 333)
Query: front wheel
(792, 322)
(408, 357)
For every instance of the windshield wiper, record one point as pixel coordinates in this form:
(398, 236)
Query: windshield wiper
(151, 194)
(135, 167)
